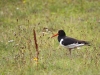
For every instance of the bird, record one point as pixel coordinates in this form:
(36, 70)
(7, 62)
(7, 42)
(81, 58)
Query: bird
(69, 42)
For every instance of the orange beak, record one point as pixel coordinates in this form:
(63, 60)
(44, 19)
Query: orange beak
(54, 35)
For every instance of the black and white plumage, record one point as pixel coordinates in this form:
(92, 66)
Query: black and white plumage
(69, 42)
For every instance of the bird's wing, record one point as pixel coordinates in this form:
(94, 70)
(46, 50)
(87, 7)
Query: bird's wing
(68, 41)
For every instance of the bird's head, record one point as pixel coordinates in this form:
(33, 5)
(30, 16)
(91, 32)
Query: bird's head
(60, 33)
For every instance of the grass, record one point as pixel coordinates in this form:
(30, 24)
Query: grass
(79, 18)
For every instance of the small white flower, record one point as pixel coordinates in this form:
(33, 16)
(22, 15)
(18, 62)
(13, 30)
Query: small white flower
(1, 41)
(10, 40)
(47, 29)
(1, 12)
(17, 8)
(78, 48)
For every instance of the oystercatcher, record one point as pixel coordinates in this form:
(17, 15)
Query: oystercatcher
(69, 42)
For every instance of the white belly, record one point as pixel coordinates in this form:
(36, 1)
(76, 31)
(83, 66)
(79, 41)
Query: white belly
(74, 45)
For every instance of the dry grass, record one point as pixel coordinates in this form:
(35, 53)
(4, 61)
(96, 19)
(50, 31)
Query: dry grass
(80, 19)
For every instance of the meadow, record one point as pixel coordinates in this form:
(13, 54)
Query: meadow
(18, 18)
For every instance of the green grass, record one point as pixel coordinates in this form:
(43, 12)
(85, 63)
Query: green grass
(79, 18)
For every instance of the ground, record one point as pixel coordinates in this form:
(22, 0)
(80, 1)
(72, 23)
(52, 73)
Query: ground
(78, 18)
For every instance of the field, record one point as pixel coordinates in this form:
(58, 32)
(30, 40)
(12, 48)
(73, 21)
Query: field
(18, 18)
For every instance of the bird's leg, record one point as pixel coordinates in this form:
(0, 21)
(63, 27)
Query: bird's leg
(70, 51)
